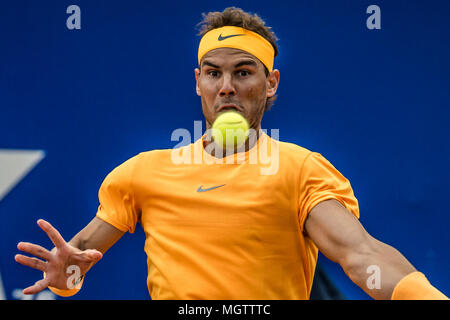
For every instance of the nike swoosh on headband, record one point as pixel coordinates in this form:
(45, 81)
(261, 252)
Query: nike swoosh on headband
(220, 38)
(204, 190)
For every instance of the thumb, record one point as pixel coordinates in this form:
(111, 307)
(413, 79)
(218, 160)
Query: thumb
(94, 254)
(90, 255)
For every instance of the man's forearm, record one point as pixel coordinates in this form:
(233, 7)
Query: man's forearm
(378, 269)
(77, 243)
(97, 235)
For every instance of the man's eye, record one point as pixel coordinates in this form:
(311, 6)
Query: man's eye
(243, 73)
(213, 73)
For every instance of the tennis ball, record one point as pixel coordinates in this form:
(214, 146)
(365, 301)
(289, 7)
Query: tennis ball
(230, 129)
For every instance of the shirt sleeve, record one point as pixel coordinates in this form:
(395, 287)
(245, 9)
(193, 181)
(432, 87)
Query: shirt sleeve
(117, 201)
(320, 181)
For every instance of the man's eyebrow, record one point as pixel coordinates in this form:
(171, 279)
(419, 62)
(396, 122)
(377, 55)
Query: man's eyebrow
(246, 63)
(239, 64)
(207, 63)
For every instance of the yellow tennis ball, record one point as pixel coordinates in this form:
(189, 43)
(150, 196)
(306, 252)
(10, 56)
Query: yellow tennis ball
(230, 129)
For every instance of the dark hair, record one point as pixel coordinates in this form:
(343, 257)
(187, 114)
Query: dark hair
(233, 16)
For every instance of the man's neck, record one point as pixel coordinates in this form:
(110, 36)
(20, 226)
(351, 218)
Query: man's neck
(210, 146)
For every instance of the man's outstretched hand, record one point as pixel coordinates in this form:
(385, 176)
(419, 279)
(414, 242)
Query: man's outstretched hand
(56, 262)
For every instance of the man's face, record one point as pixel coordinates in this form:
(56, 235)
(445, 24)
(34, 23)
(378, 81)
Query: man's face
(232, 79)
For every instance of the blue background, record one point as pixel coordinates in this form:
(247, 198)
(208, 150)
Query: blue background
(373, 102)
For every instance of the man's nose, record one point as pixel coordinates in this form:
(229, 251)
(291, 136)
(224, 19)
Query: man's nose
(227, 88)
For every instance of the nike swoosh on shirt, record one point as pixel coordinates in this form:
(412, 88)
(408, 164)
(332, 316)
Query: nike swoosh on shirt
(220, 38)
(204, 190)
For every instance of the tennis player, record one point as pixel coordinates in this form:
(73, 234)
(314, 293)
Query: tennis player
(227, 231)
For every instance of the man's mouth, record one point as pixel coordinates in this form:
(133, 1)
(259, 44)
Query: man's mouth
(229, 107)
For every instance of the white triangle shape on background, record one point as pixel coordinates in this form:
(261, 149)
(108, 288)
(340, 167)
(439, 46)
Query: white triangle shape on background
(14, 165)
(2, 290)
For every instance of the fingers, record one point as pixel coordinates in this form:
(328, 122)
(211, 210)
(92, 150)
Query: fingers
(37, 287)
(34, 263)
(34, 249)
(52, 233)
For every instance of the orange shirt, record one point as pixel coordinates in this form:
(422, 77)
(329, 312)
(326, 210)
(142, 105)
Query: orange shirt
(224, 231)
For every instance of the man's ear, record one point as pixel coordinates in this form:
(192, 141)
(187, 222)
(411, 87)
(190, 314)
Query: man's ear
(197, 76)
(272, 81)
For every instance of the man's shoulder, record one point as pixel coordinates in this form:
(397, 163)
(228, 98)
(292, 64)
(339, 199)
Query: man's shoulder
(292, 150)
(144, 156)
(292, 147)
(152, 155)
